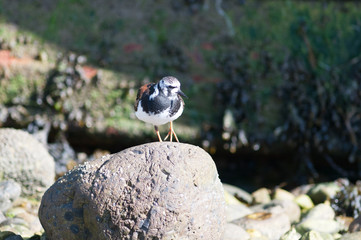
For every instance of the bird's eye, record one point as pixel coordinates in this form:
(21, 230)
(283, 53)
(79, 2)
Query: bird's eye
(171, 87)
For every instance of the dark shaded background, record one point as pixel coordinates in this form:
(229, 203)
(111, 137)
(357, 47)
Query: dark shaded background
(274, 86)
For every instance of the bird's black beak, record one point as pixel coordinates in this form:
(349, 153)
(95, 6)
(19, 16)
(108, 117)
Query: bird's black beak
(182, 94)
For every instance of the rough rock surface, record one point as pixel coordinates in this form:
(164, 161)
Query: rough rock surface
(25, 160)
(152, 191)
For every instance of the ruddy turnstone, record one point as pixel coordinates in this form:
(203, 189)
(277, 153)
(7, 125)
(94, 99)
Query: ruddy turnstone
(160, 103)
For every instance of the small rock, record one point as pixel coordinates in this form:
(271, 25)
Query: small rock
(234, 232)
(304, 201)
(323, 191)
(9, 192)
(261, 195)
(319, 225)
(240, 194)
(351, 236)
(282, 194)
(314, 235)
(321, 211)
(25, 160)
(291, 235)
(355, 225)
(290, 208)
(320, 219)
(271, 225)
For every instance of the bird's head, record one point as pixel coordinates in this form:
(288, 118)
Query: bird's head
(170, 86)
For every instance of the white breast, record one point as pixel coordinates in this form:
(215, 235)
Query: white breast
(158, 119)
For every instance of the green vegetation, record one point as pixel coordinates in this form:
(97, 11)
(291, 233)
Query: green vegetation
(290, 74)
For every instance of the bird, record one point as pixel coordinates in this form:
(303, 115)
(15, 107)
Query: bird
(160, 103)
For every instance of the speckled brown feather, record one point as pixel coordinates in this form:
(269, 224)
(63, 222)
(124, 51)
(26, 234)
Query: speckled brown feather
(142, 89)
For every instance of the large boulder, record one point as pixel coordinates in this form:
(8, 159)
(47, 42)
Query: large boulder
(26, 161)
(152, 191)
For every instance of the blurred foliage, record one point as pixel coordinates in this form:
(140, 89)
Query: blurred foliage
(290, 74)
(307, 56)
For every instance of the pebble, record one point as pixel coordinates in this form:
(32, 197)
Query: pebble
(266, 219)
(304, 201)
(261, 195)
(321, 211)
(271, 225)
(21, 219)
(320, 219)
(282, 194)
(319, 225)
(289, 207)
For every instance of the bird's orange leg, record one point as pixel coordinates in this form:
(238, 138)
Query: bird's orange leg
(170, 133)
(157, 132)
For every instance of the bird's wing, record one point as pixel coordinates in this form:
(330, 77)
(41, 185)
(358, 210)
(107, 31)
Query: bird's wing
(142, 90)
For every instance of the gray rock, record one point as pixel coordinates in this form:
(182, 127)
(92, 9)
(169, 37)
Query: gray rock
(26, 161)
(234, 232)
(351, 236)
(9, 192)
(152, 191)
(271, 225)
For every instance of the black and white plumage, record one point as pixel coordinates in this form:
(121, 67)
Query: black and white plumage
(160, 103)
